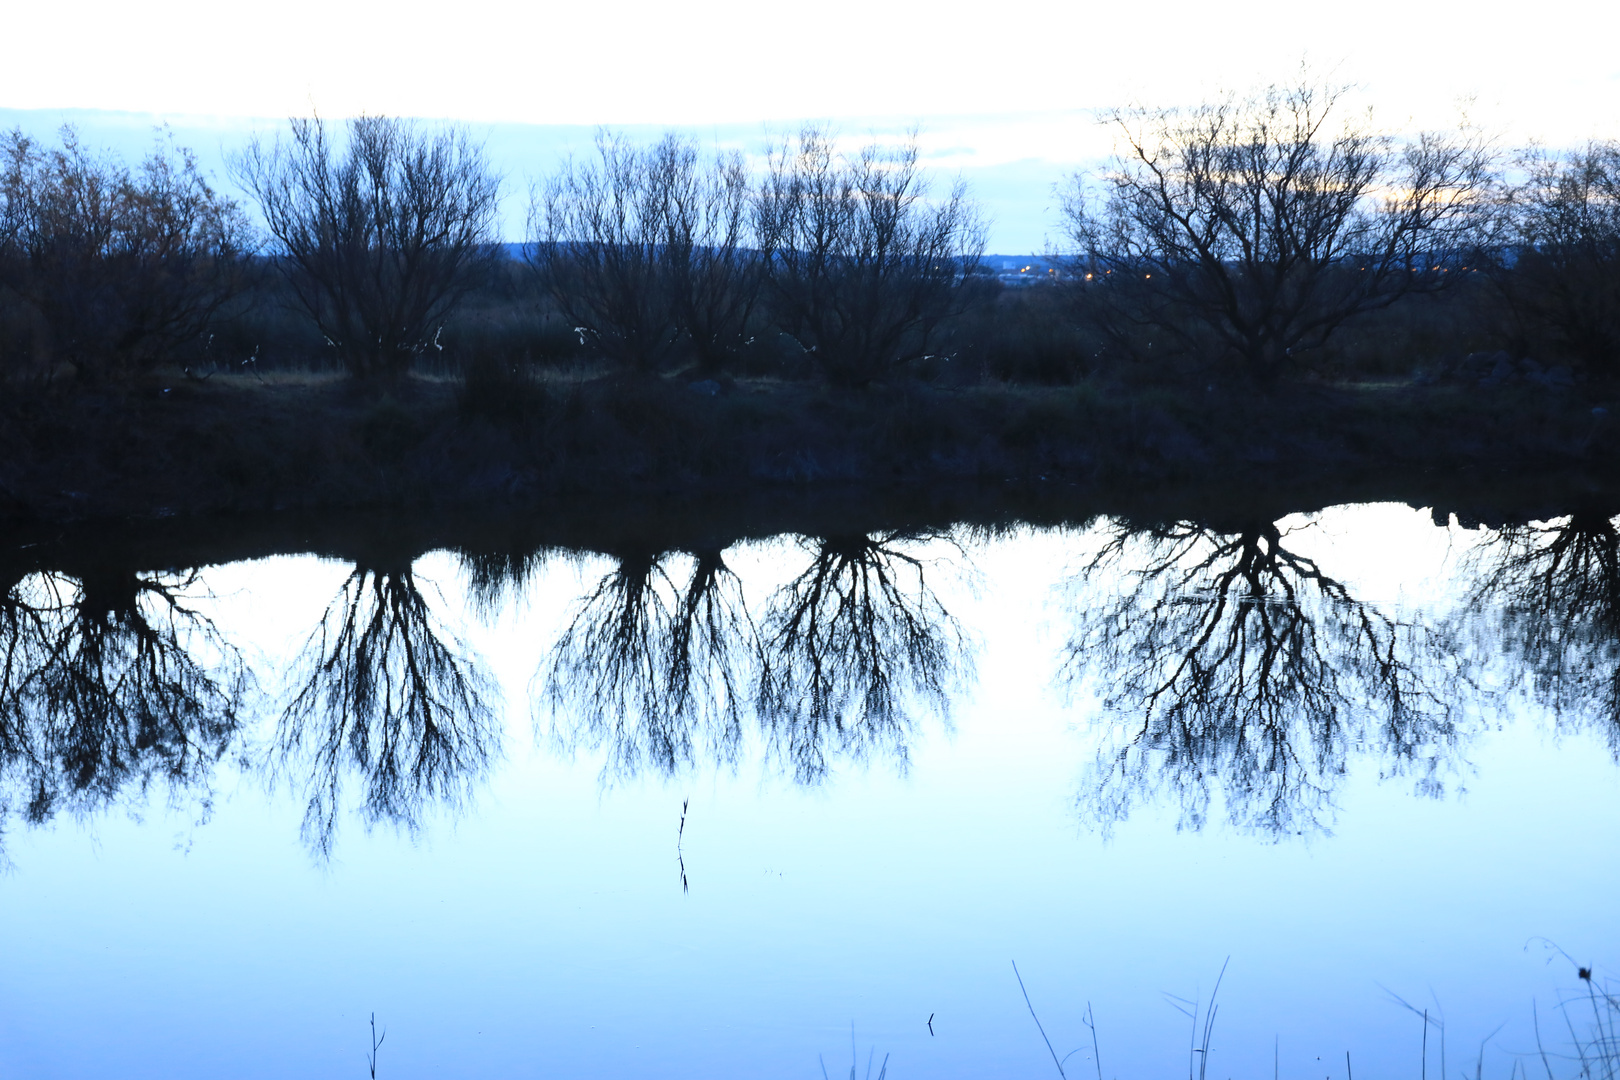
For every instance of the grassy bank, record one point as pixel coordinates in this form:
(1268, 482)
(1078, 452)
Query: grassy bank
(233, 445)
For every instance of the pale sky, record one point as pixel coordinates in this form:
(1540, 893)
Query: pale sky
(992, 86)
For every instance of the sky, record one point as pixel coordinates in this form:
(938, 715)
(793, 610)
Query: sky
(1006, 96)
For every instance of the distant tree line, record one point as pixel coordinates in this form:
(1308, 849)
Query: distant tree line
(1252, 238)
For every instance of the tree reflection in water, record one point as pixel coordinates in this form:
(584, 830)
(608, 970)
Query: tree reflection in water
(1252, 674)
(497, 575)
(1555, 587)
(852, 647)
(664, 666)
(385, 691)
(653, 670)
(102, 692)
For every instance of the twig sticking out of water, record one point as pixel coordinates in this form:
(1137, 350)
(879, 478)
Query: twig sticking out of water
(1598, 1049)
(1209, 1021)
(1479, 1062)
(1535, 1020)
(376, 1044)
(680, 835)
(1037, 1020)
(1090, 1020)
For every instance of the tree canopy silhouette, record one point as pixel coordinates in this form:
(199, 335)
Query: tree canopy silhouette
(1252, 228)
(1562, 274)
(121, 268)
(379, 239)
(862, 266)
(649, 251)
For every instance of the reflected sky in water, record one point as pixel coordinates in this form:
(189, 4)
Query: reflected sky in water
(1361, 755)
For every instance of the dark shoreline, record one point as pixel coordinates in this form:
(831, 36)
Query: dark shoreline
(769, 453)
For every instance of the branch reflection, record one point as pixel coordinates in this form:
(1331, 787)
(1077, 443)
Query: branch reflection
(385, 691)
(1252, 675)
(109, 682)
(663, 664)
(653, 669)
(853, 647)
(1555, 587)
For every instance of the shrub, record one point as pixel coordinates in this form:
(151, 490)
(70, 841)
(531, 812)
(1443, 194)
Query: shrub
(114, 270)
(1561, 277)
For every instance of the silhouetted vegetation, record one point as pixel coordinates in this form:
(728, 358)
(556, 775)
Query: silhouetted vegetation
(1254, 229)
(106, 271)
(1560, 274)
(861, 269)
(1258, 284)
(649, 253)
(379, 240)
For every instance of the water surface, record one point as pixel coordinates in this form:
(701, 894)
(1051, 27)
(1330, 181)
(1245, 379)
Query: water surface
(702, 804)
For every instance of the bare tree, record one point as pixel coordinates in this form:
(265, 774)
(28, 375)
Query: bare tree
(596, 235)
(1252, 229)
(1562, 274)
(715, 272)
(862, 265)
(122, 268)
(379, 239)
(646, 251)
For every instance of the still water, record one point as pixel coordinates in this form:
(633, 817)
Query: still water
(757, 807)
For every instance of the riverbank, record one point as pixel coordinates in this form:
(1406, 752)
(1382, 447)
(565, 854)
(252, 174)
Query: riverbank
(241, 446)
